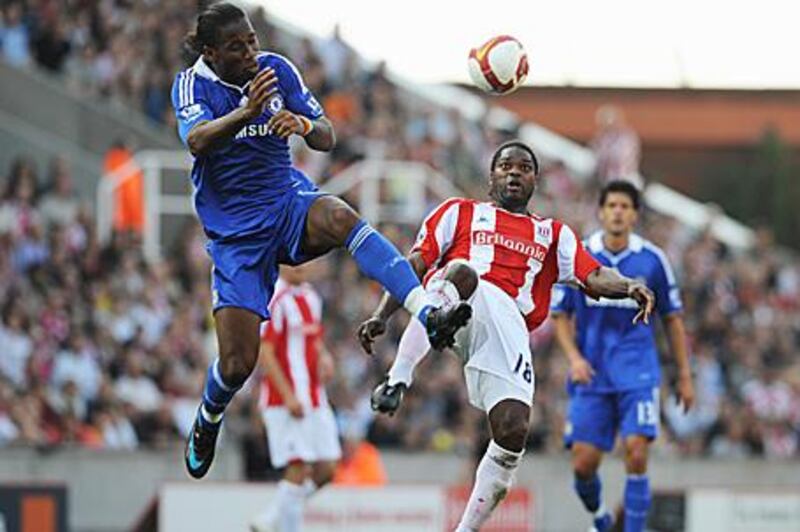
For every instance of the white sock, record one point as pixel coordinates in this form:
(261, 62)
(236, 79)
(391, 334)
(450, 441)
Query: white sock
(439, 293)
(413, 347)
(416, 300)
(289, 504)
(208, 416)
(493, 479)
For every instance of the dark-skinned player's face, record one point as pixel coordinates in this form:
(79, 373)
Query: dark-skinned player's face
(617, 214)
(513, 179)
(234, 56)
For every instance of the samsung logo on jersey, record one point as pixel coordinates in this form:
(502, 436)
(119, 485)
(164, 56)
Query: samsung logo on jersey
(612, 303)
(490, 238)
(252, 130)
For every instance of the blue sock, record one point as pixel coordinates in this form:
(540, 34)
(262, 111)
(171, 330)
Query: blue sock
(637, 502)
(216, 396)
(589, 491)
(378, 259)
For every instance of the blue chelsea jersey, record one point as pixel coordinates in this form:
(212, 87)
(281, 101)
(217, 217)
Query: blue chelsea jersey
(240, 189)
(623, 355)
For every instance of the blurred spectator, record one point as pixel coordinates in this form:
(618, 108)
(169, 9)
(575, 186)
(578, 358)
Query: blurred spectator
(616, 147)
(59, 204)
(17, 210)
(361, 463)
(120, 166)
(14, 36)
(76, 364)
(17, 344)
(52, 45)
(135, 388)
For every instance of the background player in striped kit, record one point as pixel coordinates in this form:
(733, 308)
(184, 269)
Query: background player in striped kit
(614, 366)
(301, 429)
(504, 260)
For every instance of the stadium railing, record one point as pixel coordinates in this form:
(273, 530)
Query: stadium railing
(409, 184)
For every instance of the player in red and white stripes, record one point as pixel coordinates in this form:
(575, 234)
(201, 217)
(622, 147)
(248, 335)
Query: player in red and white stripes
(300, 425)
(504, 260)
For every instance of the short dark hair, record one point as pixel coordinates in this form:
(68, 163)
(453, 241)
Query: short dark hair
(623, 187)
(206, 32)
(515, 144)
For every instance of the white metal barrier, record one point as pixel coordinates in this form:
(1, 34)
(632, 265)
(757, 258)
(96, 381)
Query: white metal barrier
(153, 164)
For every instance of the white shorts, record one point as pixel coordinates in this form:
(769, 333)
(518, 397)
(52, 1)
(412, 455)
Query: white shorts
(485, 390)
(312, 438)
(495, 347)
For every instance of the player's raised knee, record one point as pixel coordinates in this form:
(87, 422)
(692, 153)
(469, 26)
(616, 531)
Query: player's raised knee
(343, 216)
(463, 277)
(235, 365)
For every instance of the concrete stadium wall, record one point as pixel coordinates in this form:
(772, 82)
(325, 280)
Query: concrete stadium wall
(40, 118)
(109, 491)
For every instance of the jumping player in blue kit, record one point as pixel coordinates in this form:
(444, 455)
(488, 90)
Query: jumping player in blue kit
(236, 107)
(614, 364)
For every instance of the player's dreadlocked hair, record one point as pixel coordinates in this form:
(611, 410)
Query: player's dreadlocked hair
(515, 144)
(209, 22)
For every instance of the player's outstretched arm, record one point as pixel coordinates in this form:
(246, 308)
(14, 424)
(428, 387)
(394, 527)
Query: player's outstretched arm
(676, 336)
(210, 134)
(375, 326)
(605, 282)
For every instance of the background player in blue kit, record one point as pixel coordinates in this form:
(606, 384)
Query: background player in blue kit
(614, 364)
(236, 108)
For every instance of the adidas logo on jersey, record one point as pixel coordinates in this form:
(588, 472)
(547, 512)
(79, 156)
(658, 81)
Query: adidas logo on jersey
(490, 238)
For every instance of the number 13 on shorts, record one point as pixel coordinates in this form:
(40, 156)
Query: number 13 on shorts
(647, 411)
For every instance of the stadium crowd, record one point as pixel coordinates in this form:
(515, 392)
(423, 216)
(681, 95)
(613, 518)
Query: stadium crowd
(104, 350)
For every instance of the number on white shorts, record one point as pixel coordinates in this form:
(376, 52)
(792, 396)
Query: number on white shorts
(646, 413)
(527, 373)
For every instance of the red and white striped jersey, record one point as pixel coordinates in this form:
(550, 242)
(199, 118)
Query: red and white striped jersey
(523, 255)
(294, 332)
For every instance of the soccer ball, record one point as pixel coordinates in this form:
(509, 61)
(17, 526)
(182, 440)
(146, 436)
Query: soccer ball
(499, 66)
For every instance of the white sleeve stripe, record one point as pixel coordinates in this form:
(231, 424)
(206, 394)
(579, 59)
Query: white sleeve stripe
(186, 89)
(191, 87)
(665, 265)
(300, 81)
(180, 89)
(567, 247)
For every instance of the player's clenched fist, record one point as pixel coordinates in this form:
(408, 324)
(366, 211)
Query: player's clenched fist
(368, 331)
(262, 87)
(285, 123)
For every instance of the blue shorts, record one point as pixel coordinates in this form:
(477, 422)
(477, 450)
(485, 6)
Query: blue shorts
(596, 417)
(245, 270)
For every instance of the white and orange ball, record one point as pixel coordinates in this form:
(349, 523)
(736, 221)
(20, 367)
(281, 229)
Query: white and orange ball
(499, 66)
